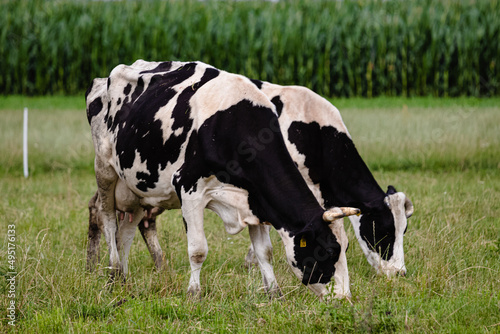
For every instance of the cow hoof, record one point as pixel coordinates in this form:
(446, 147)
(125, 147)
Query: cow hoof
(337, 298)
(194, 293)
(91, 266)
(116, 275)
(248, 265)
(159, 262)
(276, 294)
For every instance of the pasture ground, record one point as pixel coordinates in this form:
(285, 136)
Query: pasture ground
(443, 153)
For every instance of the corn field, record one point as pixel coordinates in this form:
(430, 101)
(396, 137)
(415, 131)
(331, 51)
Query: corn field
(337, 48)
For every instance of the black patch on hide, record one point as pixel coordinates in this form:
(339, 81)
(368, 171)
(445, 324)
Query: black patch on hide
(138, 130)
(94, 108)
(279, 104)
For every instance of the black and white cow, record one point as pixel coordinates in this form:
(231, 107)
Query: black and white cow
(322, 148)
(186, 135)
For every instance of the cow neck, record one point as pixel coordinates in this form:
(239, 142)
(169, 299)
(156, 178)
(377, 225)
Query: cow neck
(243, 146)
(350, 182)
(334, 163)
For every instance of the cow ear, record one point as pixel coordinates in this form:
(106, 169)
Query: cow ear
(303, 239)
(391, 190)
(337, 213)
(408, 207)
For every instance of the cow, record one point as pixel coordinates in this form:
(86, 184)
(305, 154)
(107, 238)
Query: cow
(322, 148)
(175, 135)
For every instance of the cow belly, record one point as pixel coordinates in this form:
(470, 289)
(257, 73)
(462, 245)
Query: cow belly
(160, 193)
(171, 201)
(127, 200)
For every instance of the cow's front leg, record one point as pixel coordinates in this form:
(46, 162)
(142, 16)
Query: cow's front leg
(250, 259)
(197, 245)
(125, 236)
(263, 251)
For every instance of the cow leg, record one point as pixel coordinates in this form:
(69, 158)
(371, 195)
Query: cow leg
(94, 235)
(263, 251)
(109, 230)
(151, 238)
(106, 181)
(125, 236)
(250, 257)
(197, 246)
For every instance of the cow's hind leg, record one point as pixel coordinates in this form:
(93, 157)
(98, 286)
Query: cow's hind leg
(106, 178)
(150, 236)
(263, 251)
(94, 235)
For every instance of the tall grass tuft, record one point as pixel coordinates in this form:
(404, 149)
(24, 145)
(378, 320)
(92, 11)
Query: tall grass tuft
(338, 48)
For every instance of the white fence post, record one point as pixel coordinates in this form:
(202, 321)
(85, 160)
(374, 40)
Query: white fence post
(25, 142)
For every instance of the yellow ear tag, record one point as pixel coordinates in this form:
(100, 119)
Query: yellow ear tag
(303, 242)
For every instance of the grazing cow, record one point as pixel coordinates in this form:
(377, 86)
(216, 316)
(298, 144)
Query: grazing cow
(322, 148)
(186, 135)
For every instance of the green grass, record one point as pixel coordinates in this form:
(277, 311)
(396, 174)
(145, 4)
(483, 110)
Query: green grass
(456, 137)
(443, 154)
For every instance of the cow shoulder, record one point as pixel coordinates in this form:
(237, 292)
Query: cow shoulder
(299, 103)
(228, 111)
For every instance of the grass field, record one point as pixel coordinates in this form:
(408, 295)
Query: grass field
(443, 153)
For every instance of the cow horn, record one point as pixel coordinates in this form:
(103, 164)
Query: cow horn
(408, 207)
(337, 213)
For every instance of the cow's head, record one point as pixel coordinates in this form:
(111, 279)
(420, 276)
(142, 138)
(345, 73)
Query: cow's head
(380, 232)
(317, 254)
